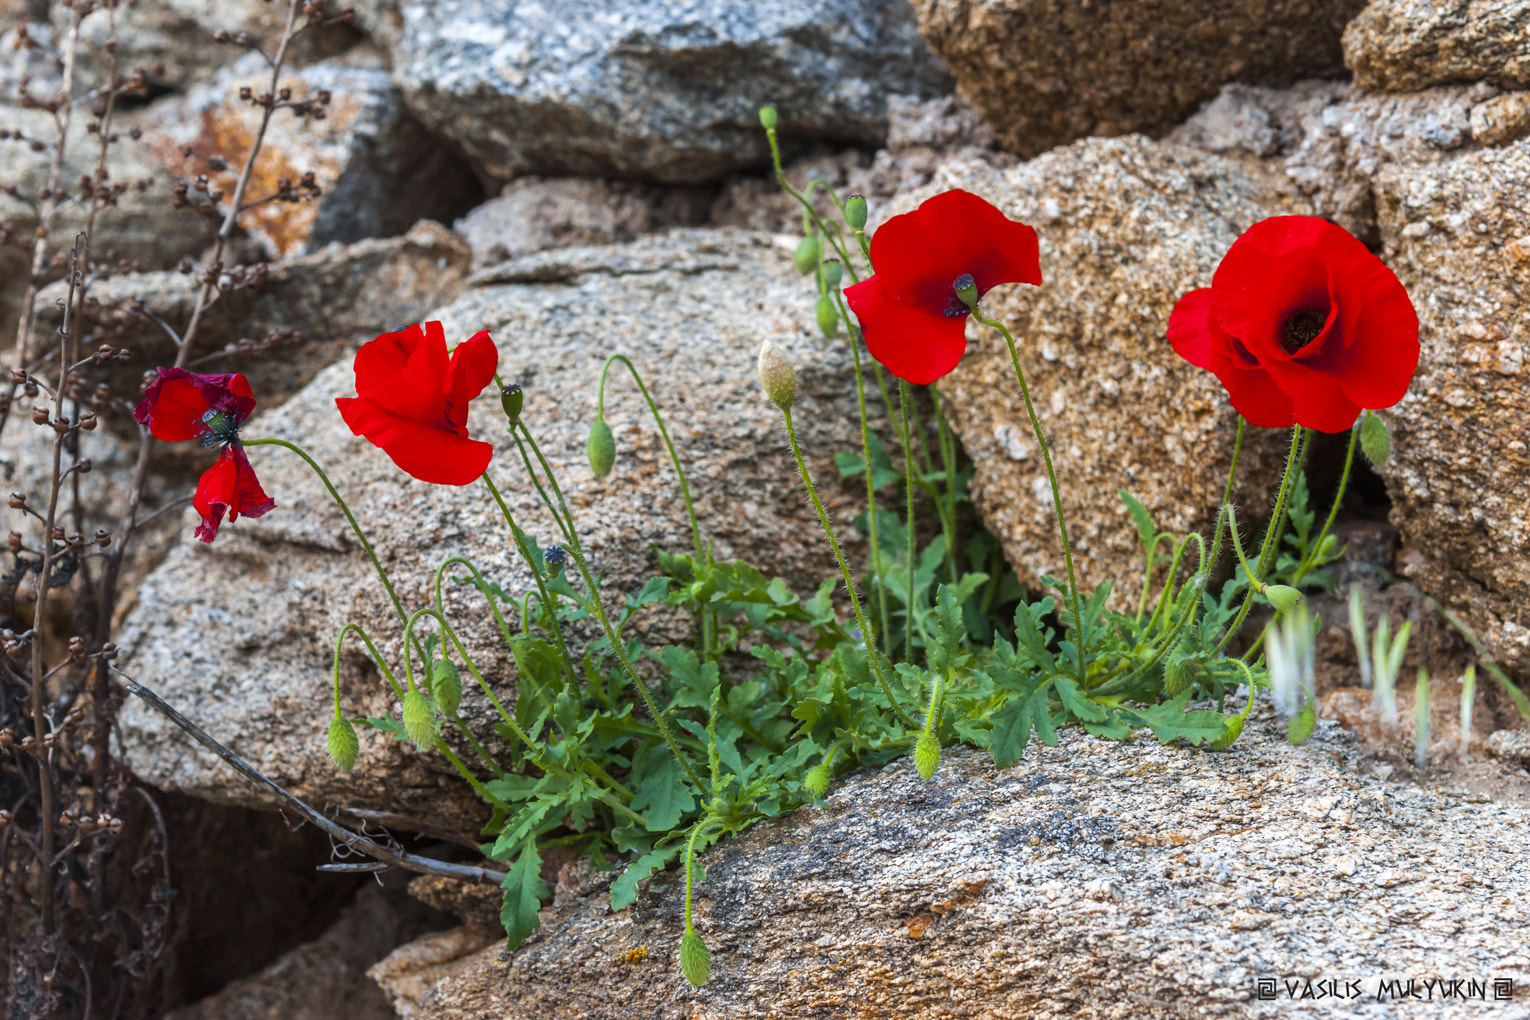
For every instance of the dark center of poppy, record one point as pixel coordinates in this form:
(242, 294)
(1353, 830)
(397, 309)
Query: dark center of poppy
(1301, 328)
(220, 429)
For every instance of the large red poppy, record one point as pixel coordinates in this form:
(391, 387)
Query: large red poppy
(412, 401)
(1302, 325)
(180, 405)
(913, 321)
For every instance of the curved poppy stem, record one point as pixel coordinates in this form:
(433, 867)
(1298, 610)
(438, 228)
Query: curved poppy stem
(868, 633)
(808, 212)
(1057, 503)
(576, 550)
(871, 488)
(909, 469)
(376, 656)
(361, 536)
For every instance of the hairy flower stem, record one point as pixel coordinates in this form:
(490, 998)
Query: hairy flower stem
(1333, 512)
(910, 469)
(548, 605)
(703, 557)
(1272, 532)
(808, 212)
(948, 465)
(702, 827)
(868, 633)
(576, 550)
(1057, 504)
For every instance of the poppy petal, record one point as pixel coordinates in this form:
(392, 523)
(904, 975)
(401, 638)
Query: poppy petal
(1382, 346)
(406, 372)
(429, 454)
(1189, 331)
(1253, 394)
(912, 343)
(176, 403)
(921, 253)
(471, 368)
(229, 486)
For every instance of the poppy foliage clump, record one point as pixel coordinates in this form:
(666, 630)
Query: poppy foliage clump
(180, 405)
(412, 401)
(910, 311)
(1302, 325)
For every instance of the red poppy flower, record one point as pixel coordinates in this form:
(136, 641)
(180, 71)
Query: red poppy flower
(412, 401)
(1302, 325)
(913, 321)
(181, 405)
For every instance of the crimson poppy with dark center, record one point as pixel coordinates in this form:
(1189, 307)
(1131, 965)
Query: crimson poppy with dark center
(911, 314)
(180, 405)
(412, 401)
(1302, 325)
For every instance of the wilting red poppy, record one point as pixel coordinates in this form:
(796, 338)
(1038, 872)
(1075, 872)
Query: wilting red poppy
(1302, 325)
(412, 401)
(181, 405)
(913, 320)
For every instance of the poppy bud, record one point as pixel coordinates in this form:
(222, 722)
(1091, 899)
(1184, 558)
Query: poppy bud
(926, 754)
(1375, 442)
(446, 686)
(601, 448)
(833, 272)
(768, 118)
(966, 289)
(855, 212)
(805, 258)
(419, 721)
(1283, 597)
(695, 961)
(817, 779)
(1230, 735)
(1328, 546)
(511, 398)
(344, 746)
(777, 376)
(828, 318)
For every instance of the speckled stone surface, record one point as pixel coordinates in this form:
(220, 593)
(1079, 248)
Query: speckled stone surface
(663, 91)
(1095, 879)
(239, 635)
(1402, 45)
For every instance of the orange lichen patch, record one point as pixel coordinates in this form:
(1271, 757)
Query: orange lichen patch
(965, 893)
(635, 955)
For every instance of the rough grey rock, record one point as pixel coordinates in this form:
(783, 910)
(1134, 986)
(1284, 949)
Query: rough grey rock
(1512, 746)
(1126, 227)
(379, 169)
(667, 92)
(536, 214)
(1045, 72)
(240, 634)
(1457, 233)
(1094, 879)
(1402, 45)
(335, 298)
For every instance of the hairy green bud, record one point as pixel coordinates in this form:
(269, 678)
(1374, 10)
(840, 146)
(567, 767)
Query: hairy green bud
(419, 720)
(344, 745)
(833, 272)
(926, 754)
(1328, 547)
(511, 398)
(695, 960)
(1230, 735)
(855, 212)
(1176, 675)
(601, 448)
(1283, 597)
(768, 118)
(828, 317)
(817, 779)
(1375, 441)
(446, 685)
(805, 258)
(777, 376)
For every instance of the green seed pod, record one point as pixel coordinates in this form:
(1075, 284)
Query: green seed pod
(511, 398)
(833, 272)
(828, 317)
(768, 118)
(855, 212)
(695, 961)
(419, 720)
(601, 448)
(344, 745)
(817, 779)
(1283, 597)
(1375, 441)
(805, 258)
(777, 376)
(1230, 735)
(966, 289)
(446, 686)
(1176, 675)
(926, 754)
